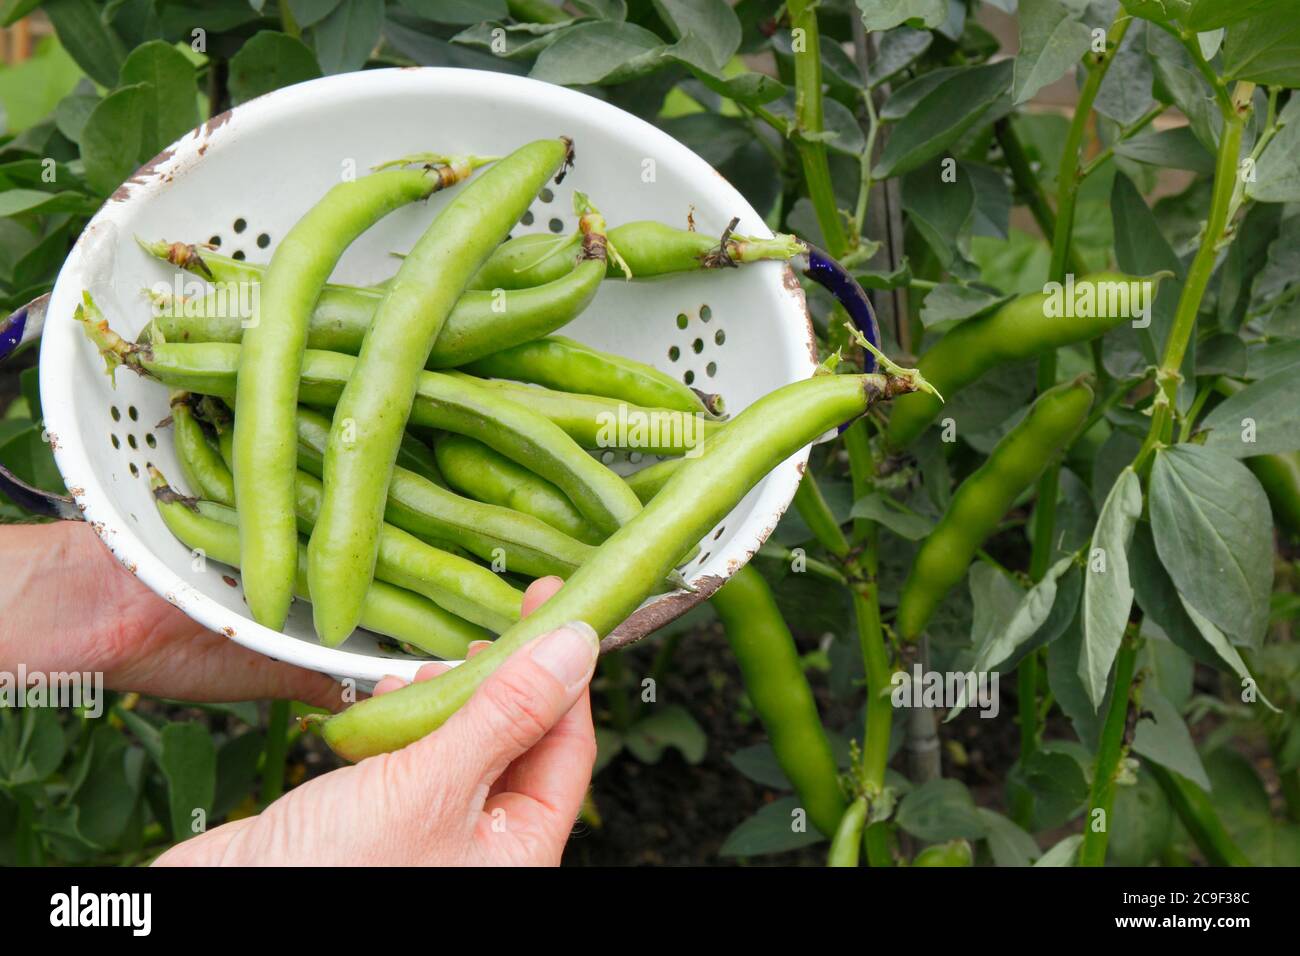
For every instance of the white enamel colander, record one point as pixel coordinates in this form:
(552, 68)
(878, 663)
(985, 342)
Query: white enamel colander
(244, 178)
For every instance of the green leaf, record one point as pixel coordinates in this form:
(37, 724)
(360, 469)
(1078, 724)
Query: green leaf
(884, 510)
(108, 796)
(267, 62)
(1159, 11)
(1055, 779)
(1107, 590)
(72, 113)
(1008, 843)
(950, 302)
(886, 14)
(759, 763)
(1141, 822)
(1261, 419)
(940, 810)
(189, 763)
(237, 761)
(113, 138)
(1243, 805)
(1125, 92)
(667, 726)
(1063, 853)
(1176, 148)
(779, 826)
(457, 11)
(1208, 513)
(898, 49)
(15, 202)
(344, 39)
(11, 11)
(515, 41)
(308, 13)
(942, 116)
(92, 43)
(1277, 174)
(713, 22)
(602, 52)
(940, 206)
(171, 104)
(1164, 738)
(1051, 43)
(1026, 627)
(1141, 249)
(1212, 14)
(1264, 49)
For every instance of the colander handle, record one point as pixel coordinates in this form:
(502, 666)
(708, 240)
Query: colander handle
(21, 328)
(836, 280)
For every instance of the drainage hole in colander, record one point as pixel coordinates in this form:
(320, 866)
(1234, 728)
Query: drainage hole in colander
(634, 457)
(719, 336)
(150, 440)
(130, 440)
(556, 226)
(238, 255)
(718, 534)
(135, 472)
(682, 320)
(230, 581)
(674, 353)
(114, 413)
(214, 241)
(546, 195)
(697, 346)
(240, 224)
(132, 414)
(116, 443)
(688, 377)
(527, 218)
(704, 557)
(263, 241)
(705, 313)
(607, 458)
(711, 369)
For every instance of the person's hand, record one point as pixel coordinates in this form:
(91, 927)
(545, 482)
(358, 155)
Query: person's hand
(499, 784)
(66, 604)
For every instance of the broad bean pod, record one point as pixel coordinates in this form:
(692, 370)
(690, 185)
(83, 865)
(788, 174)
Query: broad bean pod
(201, 464)
(481, 322)
(594, 421)
(376, 401)
(561, 363)
(1019, 330)
(631, 563)
(474, 469)
(391, 611)
(979, 504)
(525, 543)
(775, 682)
(460, 405)
(272, 360)
(645, 248)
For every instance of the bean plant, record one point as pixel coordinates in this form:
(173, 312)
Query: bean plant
(1097, 523)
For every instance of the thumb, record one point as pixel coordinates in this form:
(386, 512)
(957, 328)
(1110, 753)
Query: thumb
(523, 699)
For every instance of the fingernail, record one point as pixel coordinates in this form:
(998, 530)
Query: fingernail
(568, 653)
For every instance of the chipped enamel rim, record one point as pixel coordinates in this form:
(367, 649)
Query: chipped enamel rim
(61, 393)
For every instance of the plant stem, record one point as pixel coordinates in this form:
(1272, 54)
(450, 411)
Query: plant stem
(1198, 275)
(1128, 132)
(1199, 818)
(809, 119)
(1030, 188)
(816, 514)
(276, 752)
(1109, 754)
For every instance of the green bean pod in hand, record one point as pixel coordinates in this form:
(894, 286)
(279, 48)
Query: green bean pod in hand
(372, 411)
(630, 565)
(983, 499)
